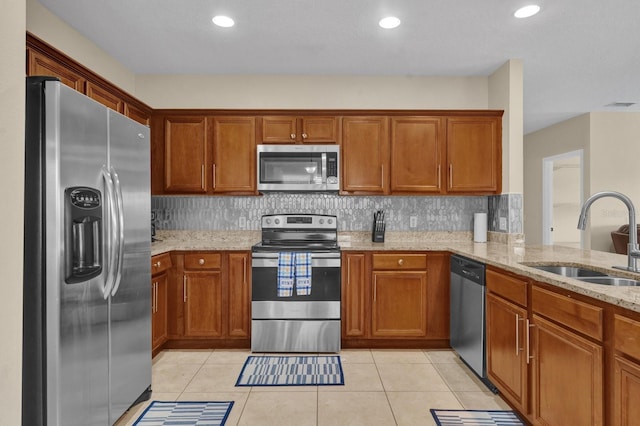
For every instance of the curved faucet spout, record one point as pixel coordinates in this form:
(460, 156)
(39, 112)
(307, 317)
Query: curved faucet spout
(633, 252)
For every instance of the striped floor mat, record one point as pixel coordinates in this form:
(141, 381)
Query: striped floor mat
(291, 371)
(476, 418)
(194, 413)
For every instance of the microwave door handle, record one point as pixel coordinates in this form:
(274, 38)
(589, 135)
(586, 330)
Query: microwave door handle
(324, 167)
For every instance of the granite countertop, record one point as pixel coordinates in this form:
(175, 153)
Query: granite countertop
(510, 256)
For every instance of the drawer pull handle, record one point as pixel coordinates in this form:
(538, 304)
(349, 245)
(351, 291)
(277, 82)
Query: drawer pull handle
(201, 261)
(400, 262)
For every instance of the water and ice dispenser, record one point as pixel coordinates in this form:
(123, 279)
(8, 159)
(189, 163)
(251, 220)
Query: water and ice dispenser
(83, 234)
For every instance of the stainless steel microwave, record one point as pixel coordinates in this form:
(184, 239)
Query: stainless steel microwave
(302, 168)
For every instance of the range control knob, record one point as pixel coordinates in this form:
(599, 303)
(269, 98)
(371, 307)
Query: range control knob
(321, 221)
(330, 221)
(268, 221)
(277, 221)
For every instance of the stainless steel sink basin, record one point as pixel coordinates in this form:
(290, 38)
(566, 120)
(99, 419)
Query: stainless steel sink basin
(587, 275)
(569, 271)
(614, 281)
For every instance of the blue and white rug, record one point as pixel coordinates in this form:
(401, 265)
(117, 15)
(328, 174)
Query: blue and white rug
(476, 418)
(291, 371)
(185, 413)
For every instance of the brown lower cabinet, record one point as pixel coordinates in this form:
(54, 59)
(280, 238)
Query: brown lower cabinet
(160, 264)
(209, 300)
(546, 350)
(397, 299)
(626, 370)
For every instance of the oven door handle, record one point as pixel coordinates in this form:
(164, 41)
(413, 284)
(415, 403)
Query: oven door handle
(314, 255)
(272, 262)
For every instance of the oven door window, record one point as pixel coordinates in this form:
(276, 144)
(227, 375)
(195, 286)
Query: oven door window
(290, 168)
(325, 285)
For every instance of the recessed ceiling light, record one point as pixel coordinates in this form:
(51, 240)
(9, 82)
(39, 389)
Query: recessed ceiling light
(389, 22)
(223, 21)
(527, 11)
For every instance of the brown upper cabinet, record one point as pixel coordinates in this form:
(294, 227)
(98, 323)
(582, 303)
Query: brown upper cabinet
(200, 154)
(408, 154)
(365, 155)
(474, 155)
(294, 129)
(186, 154)
(417, 148)
(44, 60)
(234, 154)
(41, 64)
(105, 97)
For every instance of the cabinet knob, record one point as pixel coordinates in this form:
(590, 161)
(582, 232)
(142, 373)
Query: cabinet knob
(304, 136)
(400, 262)
(201, 261)
(292, 135)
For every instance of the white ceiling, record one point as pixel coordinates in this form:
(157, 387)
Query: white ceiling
(578, 55)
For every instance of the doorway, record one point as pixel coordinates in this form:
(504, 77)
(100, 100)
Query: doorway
(562, 189)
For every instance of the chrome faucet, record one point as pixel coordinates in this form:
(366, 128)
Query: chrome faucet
(633, 252)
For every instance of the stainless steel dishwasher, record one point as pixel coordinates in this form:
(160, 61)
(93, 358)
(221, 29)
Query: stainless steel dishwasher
(467, 322)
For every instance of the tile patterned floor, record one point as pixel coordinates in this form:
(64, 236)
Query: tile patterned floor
(382, 387)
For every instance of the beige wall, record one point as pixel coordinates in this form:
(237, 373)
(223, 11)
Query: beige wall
(506, 93)
(48, 27)
(307, 92)
(615, 154)
(12, 27)
(611, 152)
(570, 135)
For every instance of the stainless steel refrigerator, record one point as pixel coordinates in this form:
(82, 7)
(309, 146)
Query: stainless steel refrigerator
(87, 307)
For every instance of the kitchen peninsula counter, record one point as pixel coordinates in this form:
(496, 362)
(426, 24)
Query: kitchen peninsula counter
(512, 257)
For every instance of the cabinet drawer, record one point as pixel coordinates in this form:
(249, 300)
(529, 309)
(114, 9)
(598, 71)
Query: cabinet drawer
(579, 316)
(202, 261)
(507, 286)
(160, 263)
(627, 336)
(399, 261)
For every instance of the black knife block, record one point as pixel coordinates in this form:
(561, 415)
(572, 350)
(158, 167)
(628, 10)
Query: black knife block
(377, 233)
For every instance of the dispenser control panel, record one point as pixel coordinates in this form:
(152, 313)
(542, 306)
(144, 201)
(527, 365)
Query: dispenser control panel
(83, 234)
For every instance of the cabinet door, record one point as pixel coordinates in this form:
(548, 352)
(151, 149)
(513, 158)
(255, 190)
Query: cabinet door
(234, 154)
(416, 154)
(279, 129)
(474, 154)
(567, 380)
(185, 154)
(354, 284)
(159, 310)
(365, 155)
(137, 114)
(203, 304)
(39, 64)
(506, 354)
(319, 130)
(438, 276)
(105, 97)
(399, 306)
(626, 392)
(239, 280)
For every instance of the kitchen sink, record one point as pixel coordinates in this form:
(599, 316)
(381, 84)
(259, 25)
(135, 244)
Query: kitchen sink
(614, 281)
(587, 275)
(569, 271)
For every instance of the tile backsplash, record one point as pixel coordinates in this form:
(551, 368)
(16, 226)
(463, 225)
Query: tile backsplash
(355, 213)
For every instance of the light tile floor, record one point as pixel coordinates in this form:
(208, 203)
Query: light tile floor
(382, 387)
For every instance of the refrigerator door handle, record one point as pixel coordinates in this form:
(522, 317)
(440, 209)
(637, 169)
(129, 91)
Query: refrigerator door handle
(120, 230)
(113, 233)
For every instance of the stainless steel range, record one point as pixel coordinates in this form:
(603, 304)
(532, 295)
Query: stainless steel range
(295, 298)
